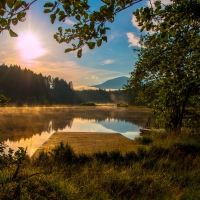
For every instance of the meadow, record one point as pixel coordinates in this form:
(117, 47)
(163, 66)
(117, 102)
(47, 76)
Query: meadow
(163, 166)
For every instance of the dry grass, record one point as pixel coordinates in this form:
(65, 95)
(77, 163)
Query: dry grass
(89, 142)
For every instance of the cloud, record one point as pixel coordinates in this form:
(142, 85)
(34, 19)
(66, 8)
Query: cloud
(84, 87)
(66, 69)
(94, 77)
(135, 24)
(71, 71)
(107, 62)
(113, 36)
(149, 3)
(69, 21)
(133, 39)
(2, 53)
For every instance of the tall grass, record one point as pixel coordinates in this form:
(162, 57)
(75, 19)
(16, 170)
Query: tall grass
(165, 168)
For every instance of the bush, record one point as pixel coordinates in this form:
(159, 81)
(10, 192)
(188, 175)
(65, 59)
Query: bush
(130, 156)
(88, 104)
(63, 154)
(146, 140)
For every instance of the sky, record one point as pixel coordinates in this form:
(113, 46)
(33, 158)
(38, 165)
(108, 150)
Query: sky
(37, 50)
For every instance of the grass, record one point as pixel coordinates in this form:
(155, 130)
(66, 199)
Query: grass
(89, 142)
(166, 167)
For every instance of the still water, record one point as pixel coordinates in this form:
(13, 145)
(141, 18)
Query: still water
(31, 127)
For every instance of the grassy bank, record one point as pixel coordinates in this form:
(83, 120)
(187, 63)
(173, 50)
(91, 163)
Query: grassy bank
(163, 167)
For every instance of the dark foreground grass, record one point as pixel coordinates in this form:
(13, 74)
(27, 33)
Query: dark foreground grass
(164, 167)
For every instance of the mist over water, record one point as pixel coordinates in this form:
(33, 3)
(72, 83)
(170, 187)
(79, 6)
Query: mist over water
(31, 126)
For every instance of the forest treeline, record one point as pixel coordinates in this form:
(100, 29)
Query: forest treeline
(23, 86)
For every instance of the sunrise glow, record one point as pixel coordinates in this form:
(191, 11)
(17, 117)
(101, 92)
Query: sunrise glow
(29, 46)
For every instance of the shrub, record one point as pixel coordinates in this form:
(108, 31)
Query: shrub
(101, 156)
(88, 104)
(64, 154)
(142, 152)
(130, 156)
(115, 156)
(146, 140)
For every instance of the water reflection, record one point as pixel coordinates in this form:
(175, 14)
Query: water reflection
(31, 127)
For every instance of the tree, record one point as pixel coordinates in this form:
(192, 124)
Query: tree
(24, 86)
(3, 100)
(168, 68)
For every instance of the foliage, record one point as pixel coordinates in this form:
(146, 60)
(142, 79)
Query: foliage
(9, 158)
(32, 89)
(90, 27)
(167, 71)
(146, 140)
(88, 104)
(12, 12)
(3, 100)
(167, 169)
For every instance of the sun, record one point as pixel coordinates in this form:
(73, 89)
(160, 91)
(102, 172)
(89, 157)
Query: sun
(29, 46)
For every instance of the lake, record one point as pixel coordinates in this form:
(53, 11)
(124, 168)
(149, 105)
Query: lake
(31, 126)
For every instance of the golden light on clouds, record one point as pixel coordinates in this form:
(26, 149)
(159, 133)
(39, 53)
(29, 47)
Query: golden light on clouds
(29, 46)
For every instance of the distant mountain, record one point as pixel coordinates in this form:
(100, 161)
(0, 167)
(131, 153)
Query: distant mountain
(116, 83)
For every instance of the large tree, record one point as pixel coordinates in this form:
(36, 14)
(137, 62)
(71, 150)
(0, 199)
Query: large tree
(168, 68)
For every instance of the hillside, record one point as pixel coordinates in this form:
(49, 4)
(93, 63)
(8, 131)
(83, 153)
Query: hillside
(116, 83)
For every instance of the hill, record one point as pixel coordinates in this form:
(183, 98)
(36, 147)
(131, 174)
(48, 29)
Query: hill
(116, 83)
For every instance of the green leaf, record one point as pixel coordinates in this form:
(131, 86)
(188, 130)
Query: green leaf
(103, 8)
(18, 5)
(48, 5)
(102, 31)
(60, 29)
(3, 22)
(78, 17)
(14, 21)
(47, 10)
(61, 12)
(57, 11)
(107, 28)
(79, 53)
(62, 18)
(104, 38)
(52, 18)
(68, 50)
(99, 42)
(91, 45)
(10, 3)
(2, 12)
(21, 16)
(12, 34)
